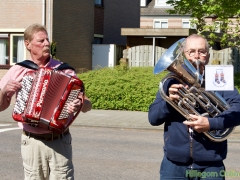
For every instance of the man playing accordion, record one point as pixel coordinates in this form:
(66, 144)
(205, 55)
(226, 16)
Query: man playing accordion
(45, 155)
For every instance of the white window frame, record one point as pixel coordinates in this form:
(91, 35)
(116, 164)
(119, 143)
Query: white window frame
(184, 21)
(3, 35)
(3, 49)
(143, 3)
(11, 48)
(161, 3)
(218, 25)
(160, 21)
(189, 21)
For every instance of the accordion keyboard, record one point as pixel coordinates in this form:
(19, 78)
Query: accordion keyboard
(72, 96)
(23, 94)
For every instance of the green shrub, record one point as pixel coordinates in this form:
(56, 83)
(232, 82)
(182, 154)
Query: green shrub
(121, 89)
(53, 49)
(237, 81)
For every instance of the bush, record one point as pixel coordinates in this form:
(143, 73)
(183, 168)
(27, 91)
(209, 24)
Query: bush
(237, 81)
(53, 49)
(121, 89)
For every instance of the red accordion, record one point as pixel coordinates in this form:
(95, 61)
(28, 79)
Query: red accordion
(43, 99)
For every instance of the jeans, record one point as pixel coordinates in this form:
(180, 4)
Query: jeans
(171, 171)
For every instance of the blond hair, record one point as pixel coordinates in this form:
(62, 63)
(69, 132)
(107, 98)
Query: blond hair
(30, 30)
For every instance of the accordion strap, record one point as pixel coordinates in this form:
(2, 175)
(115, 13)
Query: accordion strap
(31, 65)
(28, 64)
(64, 66)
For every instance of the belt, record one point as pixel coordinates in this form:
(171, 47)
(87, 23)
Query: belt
(46, 137)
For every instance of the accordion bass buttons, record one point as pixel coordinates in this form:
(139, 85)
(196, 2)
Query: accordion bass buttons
(22, 97)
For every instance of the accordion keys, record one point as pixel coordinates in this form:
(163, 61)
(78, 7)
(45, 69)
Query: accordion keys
(23, 94)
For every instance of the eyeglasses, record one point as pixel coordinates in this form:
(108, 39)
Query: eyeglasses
(192, 52)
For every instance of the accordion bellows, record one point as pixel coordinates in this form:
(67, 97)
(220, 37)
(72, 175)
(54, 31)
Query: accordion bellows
(43, 99)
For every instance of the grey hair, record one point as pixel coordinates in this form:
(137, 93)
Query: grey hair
(195, 36)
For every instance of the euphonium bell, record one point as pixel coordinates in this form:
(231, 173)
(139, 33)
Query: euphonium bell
(185, 73)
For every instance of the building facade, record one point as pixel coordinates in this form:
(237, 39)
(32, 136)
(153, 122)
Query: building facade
(15, 16)
(159, 27)
(73, 24)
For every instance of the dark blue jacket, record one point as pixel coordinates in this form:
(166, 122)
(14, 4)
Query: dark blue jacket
(176, 136)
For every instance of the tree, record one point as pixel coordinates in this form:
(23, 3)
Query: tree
(225, 13)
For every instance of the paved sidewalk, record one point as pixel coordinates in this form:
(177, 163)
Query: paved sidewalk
(112, 118)
(101, 118)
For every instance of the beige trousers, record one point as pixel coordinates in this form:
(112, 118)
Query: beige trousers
(47, 160)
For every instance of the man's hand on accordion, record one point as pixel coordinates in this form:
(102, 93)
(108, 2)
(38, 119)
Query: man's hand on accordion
(11, 87)
(7, 92)
(74, 106)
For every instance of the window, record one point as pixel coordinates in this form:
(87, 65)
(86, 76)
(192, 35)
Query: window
(217, 25)
(160, 24)
(4, 47)
(143, 3)
(17, 49)
(12, 49)
(186, 23)
(99, 2)
(161, 3)
(97, 40)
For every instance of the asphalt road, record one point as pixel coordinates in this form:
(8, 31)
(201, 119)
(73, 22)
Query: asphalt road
(105, 153)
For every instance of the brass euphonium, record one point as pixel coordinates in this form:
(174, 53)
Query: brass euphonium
(185, 73)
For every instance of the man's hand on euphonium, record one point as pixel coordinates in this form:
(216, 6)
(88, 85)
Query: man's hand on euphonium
(173, 91)
(198, 123)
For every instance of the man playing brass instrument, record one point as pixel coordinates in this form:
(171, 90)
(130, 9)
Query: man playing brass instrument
(186, 148)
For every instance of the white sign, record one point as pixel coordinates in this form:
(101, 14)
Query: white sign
(219, 78)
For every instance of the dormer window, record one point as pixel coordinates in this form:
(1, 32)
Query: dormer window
(161, 3)
(143, 3)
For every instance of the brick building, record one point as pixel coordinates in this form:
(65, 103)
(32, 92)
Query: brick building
(73, 24)
(14, 20)
(157, 23)
(159, 27)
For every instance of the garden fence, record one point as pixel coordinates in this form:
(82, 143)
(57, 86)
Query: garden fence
(140, 56)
